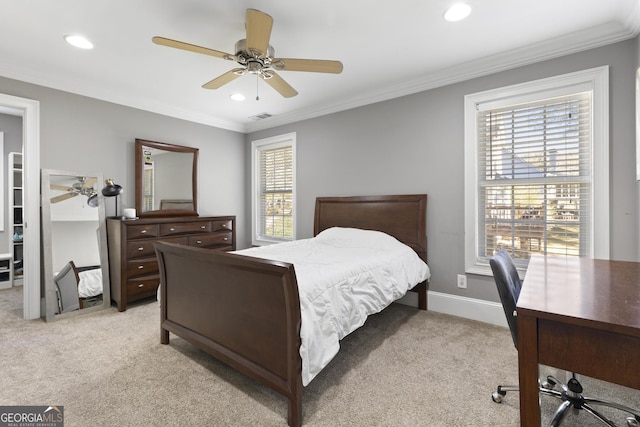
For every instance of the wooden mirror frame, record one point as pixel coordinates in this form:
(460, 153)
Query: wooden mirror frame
(47, 245)
(139, 158)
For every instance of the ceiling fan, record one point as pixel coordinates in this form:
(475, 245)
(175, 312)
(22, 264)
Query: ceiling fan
(256, 56)
(84, 186)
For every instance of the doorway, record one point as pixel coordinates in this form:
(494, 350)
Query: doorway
(30, 111)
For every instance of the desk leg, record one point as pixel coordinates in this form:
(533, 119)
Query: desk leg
(528, 370)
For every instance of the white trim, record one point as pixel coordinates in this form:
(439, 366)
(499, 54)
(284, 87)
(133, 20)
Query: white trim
(288, 139)
(579, 41)
(454, 305)
(30, 110)
(595, 80)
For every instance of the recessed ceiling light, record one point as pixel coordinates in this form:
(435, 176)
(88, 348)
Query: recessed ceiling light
(79, 41)
(237, 97)
(457, 12)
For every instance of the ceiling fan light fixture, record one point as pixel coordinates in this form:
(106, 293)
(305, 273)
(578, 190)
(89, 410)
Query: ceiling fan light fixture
(254, 67)
(457, 12)
(80, 42)
(92, 201)
(237, 97)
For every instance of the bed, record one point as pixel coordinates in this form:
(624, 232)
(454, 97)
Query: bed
(77, 287)
(246, 310)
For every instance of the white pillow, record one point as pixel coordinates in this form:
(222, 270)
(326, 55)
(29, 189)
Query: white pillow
(355, 237)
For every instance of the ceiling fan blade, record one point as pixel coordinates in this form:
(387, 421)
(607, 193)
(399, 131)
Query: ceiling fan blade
(278, 83)
(224, 78)
(191, 47)
(259, 26)
(90, 182)
(312, 65)
(61, 187)
(63, 197)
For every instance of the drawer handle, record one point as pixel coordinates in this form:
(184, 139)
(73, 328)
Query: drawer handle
(140, 248)
(198, 242)
(140, 267)
(172, 229)
(141, 285)
(224, 225)
(202, 227)
(225, 239)
(143, 231)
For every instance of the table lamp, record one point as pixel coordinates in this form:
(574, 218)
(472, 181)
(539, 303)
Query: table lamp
(112, 190)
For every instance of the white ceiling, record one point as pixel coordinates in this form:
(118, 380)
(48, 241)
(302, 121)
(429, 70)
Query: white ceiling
(389, 48)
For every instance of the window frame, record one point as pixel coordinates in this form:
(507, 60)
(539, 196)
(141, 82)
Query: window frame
(257, 146)
(595, 80)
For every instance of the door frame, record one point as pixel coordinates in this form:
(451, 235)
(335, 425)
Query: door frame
(30, 111)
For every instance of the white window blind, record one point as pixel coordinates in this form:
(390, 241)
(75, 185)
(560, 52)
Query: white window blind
(273, 207)
(535, 178)
(148, 186)
(276, 193)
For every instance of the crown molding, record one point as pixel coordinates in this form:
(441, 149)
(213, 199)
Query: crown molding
(552, 48)
(591, 38)
(62, 84)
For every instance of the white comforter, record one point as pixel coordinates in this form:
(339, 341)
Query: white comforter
(344, 275)
(90, 283)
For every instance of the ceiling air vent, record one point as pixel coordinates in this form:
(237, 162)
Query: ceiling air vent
(260, 116)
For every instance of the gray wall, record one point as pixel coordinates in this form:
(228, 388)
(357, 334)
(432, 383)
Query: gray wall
(412, 144)
(87, 135)
(12, 128)
(415, 144)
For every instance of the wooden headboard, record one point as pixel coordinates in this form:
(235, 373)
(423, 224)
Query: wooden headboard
(403, 217)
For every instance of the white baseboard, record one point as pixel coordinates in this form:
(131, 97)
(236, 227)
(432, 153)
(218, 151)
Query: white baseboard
(469, 308)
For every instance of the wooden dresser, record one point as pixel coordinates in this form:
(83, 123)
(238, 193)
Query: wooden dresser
(132, 259)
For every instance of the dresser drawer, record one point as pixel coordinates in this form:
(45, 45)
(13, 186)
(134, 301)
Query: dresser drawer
(222, 225)
(142, 267)
(211, 240)
(142, 288)
(141, 249)
(142, 231)
(146, 248)
(185, 228)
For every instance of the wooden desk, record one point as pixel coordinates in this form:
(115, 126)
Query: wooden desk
(580, 315)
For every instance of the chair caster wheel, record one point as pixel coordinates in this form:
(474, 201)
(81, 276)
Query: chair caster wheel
(497, 396)
(547, 385)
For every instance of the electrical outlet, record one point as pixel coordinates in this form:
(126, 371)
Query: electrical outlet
(462, 281)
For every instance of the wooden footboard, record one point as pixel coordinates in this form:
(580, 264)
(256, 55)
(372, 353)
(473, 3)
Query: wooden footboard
(244, 311)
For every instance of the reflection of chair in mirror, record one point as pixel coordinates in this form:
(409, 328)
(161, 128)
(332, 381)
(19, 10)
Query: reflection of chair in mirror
(66, 282)
(176, 204)
(509, 285)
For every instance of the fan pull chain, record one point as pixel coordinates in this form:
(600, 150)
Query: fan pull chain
(257, 85)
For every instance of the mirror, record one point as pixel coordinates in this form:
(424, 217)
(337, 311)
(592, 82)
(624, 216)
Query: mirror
(166, 179)
(74, 244)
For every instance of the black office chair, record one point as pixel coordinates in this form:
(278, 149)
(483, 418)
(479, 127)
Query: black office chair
(509, 284)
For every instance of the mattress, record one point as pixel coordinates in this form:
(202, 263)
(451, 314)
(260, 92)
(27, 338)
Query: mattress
(344, 275)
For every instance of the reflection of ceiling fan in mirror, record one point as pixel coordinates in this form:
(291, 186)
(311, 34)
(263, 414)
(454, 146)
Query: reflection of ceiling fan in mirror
(256, 56)
(84, 187)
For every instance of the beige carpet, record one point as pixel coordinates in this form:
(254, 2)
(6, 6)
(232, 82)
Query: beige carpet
(403, 368)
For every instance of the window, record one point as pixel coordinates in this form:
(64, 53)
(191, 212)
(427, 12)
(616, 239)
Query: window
(273, 205)
(147, 190)
(536, 159)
